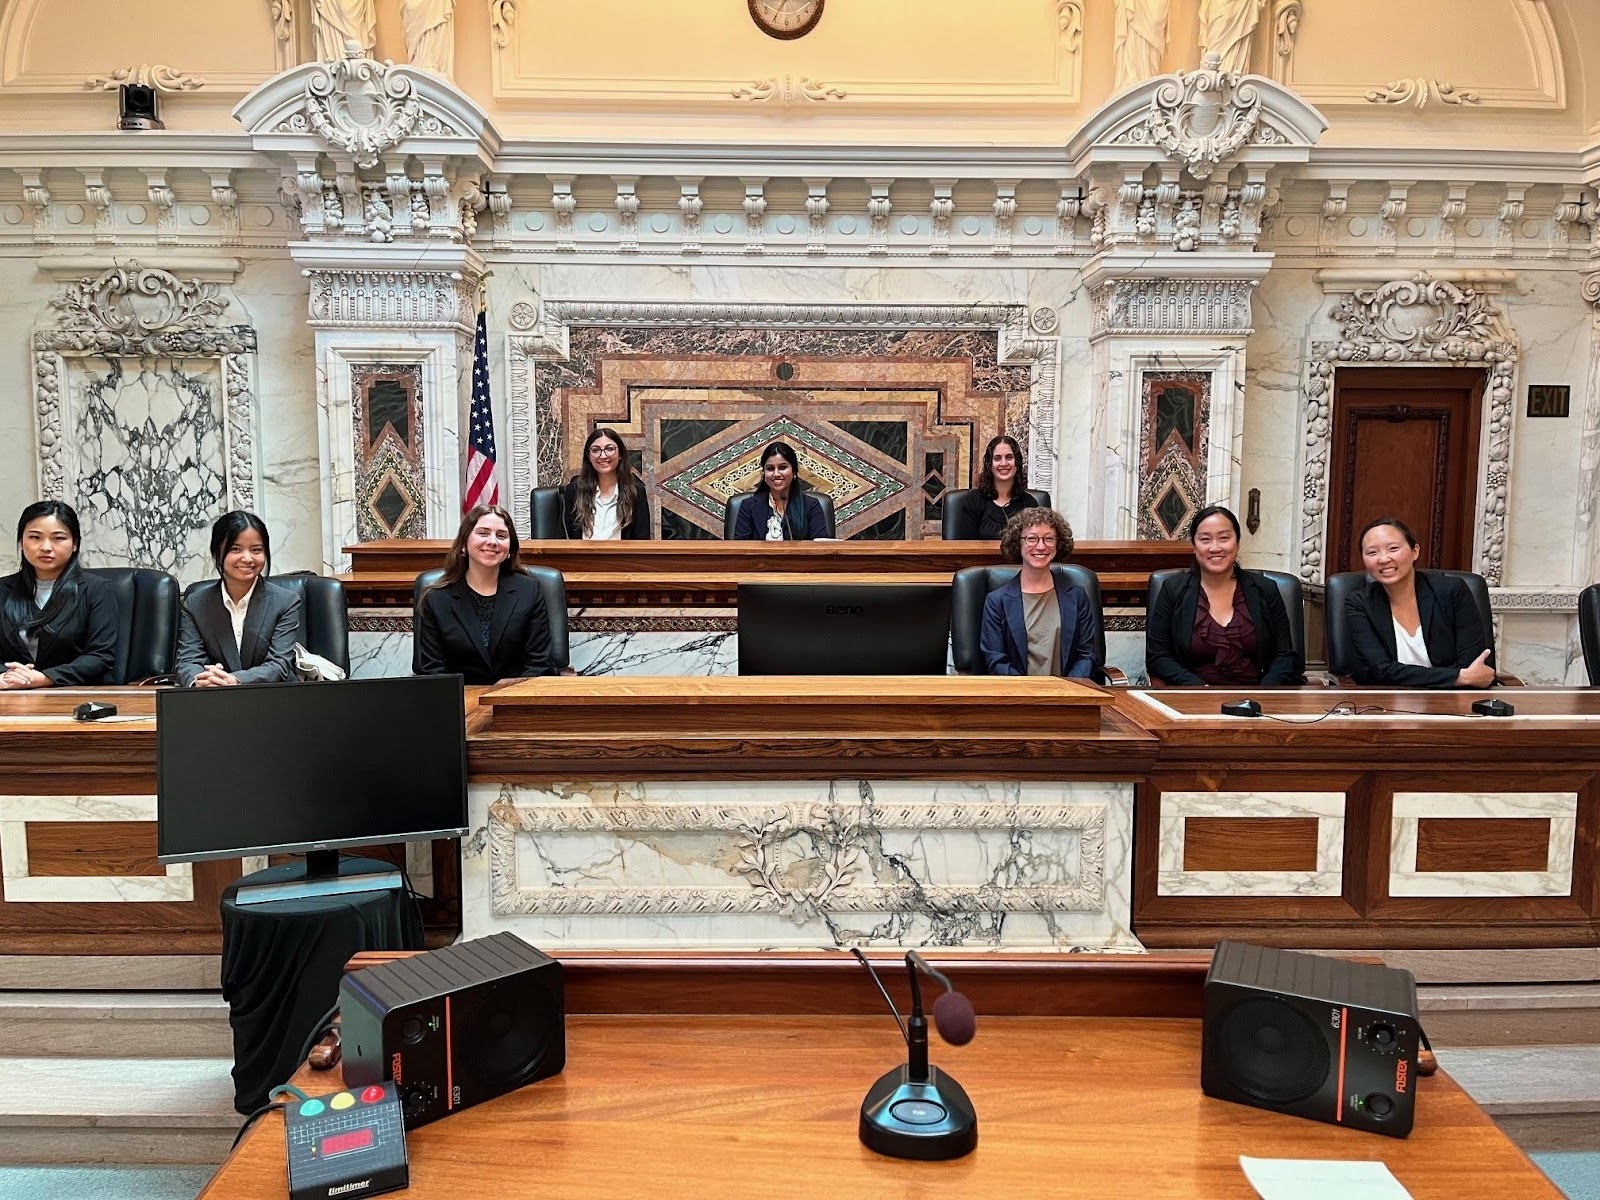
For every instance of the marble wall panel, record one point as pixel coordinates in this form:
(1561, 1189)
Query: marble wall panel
(842, 862)
(1560, 808)
(1327, 879)
(177, 884)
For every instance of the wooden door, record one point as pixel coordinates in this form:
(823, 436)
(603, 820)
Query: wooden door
(1405, 444)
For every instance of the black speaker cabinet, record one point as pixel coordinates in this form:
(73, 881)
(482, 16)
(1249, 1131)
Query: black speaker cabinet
(1312, 1037)
(454, 1027)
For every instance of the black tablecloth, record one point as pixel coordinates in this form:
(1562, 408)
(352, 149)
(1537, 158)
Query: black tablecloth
(282, 962)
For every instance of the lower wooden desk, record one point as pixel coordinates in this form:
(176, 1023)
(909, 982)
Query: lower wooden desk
(734, 1107)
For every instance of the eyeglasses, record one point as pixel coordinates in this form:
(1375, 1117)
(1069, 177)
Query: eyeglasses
(1038, 539)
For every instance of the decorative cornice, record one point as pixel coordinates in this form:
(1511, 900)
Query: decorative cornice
(1164, 307)
(145, 311)
(342, 298)
(159, 77)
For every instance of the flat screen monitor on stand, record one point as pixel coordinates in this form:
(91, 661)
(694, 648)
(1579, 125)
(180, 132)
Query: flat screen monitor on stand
(844, 628)
(309, 768)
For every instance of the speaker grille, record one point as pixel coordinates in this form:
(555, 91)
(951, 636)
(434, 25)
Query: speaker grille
(1271, 1050)
(509, 1032)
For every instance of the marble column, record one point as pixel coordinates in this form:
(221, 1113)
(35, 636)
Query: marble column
(1586, 543)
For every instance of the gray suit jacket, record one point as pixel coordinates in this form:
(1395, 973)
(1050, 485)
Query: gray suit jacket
(271, 627)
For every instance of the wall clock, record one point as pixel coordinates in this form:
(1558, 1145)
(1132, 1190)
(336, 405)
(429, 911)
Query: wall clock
(786, 19)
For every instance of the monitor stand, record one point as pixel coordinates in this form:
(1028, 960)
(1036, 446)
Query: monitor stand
(322, 874)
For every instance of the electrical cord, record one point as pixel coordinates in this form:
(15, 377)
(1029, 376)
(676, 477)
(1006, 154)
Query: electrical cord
(1346, 709)
(273, 1104)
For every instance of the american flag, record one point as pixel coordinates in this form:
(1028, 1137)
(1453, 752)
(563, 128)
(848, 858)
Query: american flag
(483, 487)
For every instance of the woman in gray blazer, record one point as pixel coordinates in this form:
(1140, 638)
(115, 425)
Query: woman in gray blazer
(240, 628)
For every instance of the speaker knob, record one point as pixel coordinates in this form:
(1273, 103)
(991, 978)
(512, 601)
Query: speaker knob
(1383, 1036)
(1379, 1105)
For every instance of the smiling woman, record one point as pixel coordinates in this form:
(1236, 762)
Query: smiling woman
(239, 628)
(1041, 623)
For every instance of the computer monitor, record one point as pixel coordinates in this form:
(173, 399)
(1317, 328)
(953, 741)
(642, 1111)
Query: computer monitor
(844, 628)
(284, 767)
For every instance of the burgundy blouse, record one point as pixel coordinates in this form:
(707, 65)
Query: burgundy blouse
(1225, 655)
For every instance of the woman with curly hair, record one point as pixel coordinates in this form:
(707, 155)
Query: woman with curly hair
(1000, 493)
(1041, 623)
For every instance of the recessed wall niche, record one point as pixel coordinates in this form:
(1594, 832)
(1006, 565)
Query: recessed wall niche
(391, 497)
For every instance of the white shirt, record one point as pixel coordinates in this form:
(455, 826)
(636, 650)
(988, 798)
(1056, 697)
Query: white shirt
(238, 611)
(1410, 648)
(605, 519)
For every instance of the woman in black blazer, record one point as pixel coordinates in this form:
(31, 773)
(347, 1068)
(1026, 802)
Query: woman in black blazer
(781, 510)
(605, 500)
(238, 628)
(485, 620)
(1220, 624)
(1000, 493)
(58, 624)
(1410, 628)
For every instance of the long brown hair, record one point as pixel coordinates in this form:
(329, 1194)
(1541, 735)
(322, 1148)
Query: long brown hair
(1019, 482)
(455, 562)
(588, 483)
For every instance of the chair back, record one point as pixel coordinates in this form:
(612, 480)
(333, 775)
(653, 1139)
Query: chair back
(324, 614)
(147, 621)
(730, 519)
(1343, 585)
(971, 587)
(552, 586)
(952, 502)
(1589, 630)
(544, 515)
(1288, 591)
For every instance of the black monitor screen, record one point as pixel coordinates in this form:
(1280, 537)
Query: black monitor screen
(843, 628)
(303, 766)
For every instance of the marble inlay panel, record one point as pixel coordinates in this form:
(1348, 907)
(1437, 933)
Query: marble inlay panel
(391, 491)
(1560, 808)
(1177, 807)
(1174, 442)
(843, 862)
(20, 887)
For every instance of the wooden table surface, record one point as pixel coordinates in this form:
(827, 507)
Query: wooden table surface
(733, 1108)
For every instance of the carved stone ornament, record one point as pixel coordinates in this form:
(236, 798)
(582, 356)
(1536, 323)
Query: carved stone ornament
(159, 77)
(133, 310)
(362, 107)
(1202, 118)
(1421, 320)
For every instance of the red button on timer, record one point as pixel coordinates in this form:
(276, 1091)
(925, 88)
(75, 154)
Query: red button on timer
(372, 1094)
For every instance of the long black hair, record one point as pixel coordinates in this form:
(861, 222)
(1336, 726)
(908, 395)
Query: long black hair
(1019, 482)
(588, 483)
(786, 452)
(21, 611)
(225, 532)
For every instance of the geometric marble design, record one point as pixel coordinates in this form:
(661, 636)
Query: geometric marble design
(391, 493)
(1326, 879)
(1559, 808)
(802, 863)
(15, 813)
(1174, 435)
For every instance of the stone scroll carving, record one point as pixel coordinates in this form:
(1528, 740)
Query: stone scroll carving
(362, 107)
(1426, 321)
(1203, 118)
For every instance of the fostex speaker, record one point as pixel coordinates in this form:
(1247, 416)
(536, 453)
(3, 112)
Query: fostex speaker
(1312, 1036)
(454, 1027)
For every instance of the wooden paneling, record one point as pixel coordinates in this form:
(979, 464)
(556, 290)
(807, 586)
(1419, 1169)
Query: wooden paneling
(91, 848)
(1483, 843)
(1250, 844)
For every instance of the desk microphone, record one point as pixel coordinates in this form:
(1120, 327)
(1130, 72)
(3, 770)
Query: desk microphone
(916, 1110)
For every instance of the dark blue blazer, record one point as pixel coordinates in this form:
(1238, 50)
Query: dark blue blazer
(802, 518)
(1004, 640)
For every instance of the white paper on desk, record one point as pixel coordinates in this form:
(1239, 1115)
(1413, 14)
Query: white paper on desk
(1319, 1179)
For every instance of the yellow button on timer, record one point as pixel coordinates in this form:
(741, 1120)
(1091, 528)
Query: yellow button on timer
(342, 1100)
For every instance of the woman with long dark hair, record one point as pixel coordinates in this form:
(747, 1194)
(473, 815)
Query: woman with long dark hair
(605, 500)
(782, 510)
(485, 620)
(238, 628)
(1000, 493)
(58, 625)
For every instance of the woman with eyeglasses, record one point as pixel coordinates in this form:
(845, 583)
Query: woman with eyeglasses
(605, 501)
(1041, 623)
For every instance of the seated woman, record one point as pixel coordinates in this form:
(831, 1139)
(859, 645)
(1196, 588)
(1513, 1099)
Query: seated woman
(485, 620)
(781, 510)
(240, 628)
(1000, 493)
(1220, 624)
(1038, 624)
(1410, 628)
(58, 624)
(605, 501)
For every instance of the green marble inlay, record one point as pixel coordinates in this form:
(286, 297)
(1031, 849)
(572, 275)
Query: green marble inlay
(679, 434)
(887, 437)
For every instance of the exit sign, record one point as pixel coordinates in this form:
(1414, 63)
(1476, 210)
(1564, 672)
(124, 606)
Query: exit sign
(1549, 399)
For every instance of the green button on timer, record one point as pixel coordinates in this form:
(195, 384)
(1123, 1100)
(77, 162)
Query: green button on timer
(311, 1108)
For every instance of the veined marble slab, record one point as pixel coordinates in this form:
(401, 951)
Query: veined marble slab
(177, 884)
(1177, 807)
(801, 864)
(1561, 808)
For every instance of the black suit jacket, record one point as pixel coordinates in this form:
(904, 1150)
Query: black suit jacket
(1169, 626)
(445, 633)
(802, 518)
(637, 528)
(79, 646)
(1450, 627)
(271, 625)
(979, 518)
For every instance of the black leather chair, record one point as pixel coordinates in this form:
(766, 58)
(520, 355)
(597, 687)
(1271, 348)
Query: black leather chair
(1589, 630)
(947, 521)
(147, 621)
(730, 519)
(1288, 588)
(324, 615)
(551, 584)
(971, 587)
(1342, 585)
(544, 515)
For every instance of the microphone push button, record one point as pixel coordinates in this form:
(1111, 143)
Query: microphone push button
(917, 1112)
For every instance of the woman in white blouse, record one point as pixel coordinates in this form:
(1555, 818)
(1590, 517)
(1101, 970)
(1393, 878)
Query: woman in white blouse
(605, 501)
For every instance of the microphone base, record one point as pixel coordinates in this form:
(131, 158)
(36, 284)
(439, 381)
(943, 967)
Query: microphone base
(929, 1121)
